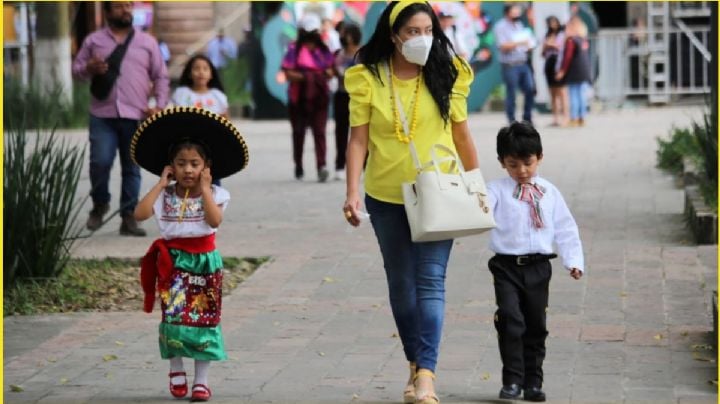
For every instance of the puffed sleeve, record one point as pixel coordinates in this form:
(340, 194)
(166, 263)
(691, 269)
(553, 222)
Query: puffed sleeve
(358, 85)
(221, 196)
(460, 91)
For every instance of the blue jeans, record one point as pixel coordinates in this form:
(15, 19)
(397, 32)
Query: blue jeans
(416, 281)
(578, 103)
(106, 136)
(520, 76)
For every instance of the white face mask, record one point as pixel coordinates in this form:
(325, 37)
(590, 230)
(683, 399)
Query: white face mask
(416, 50)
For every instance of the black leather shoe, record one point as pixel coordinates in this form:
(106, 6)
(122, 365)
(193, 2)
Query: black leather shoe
(95, 219)
(534, 394)
(510, 391)
(129, 227)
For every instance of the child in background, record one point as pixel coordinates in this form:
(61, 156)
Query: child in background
(187, 147)
(200, 87)
(531, 215)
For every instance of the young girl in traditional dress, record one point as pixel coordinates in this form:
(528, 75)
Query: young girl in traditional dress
(183, 266)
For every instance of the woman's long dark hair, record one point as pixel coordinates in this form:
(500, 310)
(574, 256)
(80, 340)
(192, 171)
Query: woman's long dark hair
(439, 73)
(550, 31)
(186, 76)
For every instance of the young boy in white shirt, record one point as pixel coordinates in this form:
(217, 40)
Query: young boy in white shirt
(530, 214)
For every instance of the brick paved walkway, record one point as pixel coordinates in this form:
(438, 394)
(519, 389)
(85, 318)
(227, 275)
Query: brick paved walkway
(314, 325)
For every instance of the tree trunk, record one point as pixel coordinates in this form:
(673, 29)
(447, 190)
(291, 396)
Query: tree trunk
(52, 58)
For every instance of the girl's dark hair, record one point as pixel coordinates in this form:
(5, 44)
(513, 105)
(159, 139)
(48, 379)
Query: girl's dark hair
(186, 76)
(439, 73)
(309, 37)
(550, 31)
(520, 140)
(353, 31)
(189, 143)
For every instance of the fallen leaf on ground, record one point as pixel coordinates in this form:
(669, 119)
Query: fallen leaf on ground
(658, 337)
(485, 376)
(52, 359)
(355, 397)
(713, 382)
(108, 358)
(394, 335)
(697, 357)
(119, 343)
(328, 279)
(15, 388)
(701, 347)
(321, 353)
(64, 380)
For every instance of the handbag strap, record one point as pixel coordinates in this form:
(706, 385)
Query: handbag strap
(117, 55)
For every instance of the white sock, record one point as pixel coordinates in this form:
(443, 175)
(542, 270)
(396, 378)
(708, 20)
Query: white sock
(202, 369)
(176, 365)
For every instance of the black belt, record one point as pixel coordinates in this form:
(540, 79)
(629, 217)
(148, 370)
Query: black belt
(522, 260)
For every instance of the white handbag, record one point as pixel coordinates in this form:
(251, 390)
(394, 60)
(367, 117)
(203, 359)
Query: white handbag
(442, 206)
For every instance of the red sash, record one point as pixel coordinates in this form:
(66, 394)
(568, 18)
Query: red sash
(157, 264)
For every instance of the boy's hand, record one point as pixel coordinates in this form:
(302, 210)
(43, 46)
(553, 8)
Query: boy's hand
(166, 176)
(575, 273)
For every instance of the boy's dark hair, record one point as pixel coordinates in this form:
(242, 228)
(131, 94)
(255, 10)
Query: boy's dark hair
(519, 140)
(188, 143)
(186, 76)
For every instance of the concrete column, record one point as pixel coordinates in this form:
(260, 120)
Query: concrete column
(52, 48)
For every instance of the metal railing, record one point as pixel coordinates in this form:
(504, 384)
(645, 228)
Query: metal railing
(623, 63)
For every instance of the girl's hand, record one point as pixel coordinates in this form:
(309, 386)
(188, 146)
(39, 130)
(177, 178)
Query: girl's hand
(166, 176)
(205, 178)
(559, 75)
(351, 210)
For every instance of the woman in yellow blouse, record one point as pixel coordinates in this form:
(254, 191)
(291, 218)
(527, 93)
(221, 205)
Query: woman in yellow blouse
(408, 58)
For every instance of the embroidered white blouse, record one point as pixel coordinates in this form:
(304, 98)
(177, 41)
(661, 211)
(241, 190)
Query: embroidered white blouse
(167, 209)
(515, 233)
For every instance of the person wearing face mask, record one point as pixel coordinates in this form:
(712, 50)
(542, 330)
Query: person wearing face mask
(122, 83)
(308, 65)
(408, 85)
(515, 41)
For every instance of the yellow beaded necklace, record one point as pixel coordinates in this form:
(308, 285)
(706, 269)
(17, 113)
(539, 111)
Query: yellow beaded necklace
(404, 138)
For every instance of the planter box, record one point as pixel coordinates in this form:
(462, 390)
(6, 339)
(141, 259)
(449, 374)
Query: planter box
(702, 220)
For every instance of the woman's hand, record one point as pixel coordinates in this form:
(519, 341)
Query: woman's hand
(351, 210)
(166, 176)
(559, 75)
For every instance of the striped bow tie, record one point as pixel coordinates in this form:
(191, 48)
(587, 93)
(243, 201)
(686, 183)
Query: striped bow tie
(531, 193)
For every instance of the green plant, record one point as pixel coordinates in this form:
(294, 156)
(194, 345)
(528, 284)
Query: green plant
(235, 76)
(670, 153)
(46, 109)
(40, 208)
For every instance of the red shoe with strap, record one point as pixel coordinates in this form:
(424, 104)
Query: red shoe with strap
(200, 392)
(178, 390)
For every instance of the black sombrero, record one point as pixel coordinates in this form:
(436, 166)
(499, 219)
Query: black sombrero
(151, 143)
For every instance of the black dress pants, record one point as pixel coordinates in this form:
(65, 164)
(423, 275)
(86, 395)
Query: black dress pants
(521, 294)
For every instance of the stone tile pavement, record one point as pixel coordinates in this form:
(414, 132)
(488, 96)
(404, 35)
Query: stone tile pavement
(314, 326)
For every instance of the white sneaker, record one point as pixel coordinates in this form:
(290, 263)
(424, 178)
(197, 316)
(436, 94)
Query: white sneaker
(339, 175)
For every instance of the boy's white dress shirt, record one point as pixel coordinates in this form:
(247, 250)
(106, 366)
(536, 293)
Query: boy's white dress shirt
(515, 233)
